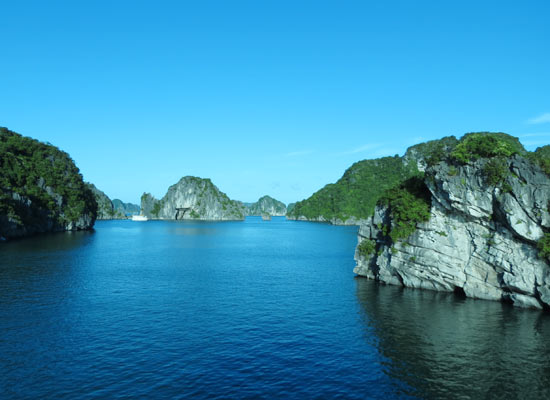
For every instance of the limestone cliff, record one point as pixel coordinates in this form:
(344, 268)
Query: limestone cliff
(41, 189)
(192, 198)
(266, 205)
(105, 207)
(484, 237)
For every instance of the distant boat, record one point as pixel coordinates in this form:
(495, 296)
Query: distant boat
(266, 217)
(139, 218)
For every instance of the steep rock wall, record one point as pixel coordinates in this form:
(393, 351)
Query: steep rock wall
(481, 239)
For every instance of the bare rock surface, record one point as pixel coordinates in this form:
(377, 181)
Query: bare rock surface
(480, 240)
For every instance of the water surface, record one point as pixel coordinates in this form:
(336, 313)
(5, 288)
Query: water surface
(254, 309)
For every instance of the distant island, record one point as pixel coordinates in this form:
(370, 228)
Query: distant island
(266, 206)
(469, 215)
(105, 207)
(193, 198)
(111, 209)
(41, 189)
(127, 209)
(353, 197)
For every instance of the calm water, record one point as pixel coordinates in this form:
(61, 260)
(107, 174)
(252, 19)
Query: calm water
(245, 310)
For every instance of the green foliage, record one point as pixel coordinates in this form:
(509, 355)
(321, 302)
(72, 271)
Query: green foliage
(264, 204)
(543, 246)
(453, 171)
(156, 208)
(28, 168)
(194, 214)
(495, 171)
(125, 208)
(356, 193)
(485, 145)
(366, 247)
(408, 204)
(434, 151)
(290, 207)
(541, 156)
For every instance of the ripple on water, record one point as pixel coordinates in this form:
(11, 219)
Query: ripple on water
(245, 310)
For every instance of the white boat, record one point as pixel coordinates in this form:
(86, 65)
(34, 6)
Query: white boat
(139, 218)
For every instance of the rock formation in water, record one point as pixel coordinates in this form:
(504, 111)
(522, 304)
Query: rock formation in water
(266, 205)
(477, 223)
(125, 208)
(105, 207)
(41, 189)
(352, 198)
(193, 198)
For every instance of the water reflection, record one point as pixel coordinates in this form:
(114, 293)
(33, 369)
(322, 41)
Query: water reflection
(447, 347)
(53, 242)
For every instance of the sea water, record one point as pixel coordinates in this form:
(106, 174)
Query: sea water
(253, 309)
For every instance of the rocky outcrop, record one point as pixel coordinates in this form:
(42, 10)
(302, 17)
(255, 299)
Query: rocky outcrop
(105, 207)
(480, 240)
(31, 218)
(266, 205)
(193, 198)
(125, 208)
(41, 189)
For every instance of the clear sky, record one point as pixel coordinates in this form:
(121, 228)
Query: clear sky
(266, 97)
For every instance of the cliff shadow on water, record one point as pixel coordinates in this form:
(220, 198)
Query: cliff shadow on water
(444, 346)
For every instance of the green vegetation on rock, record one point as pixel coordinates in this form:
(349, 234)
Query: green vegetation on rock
(38, 183)
(356, 193)
(105, 207)
(432, 151)
(192, 198)
(156, 209)
(408, 205)
(543, 246)
(290, 207)
(541, 156)
(495, 171)
(125, 208)
(266, 205)
(485, 145)
(366, 247)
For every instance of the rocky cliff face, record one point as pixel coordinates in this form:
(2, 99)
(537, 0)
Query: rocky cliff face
(481, 238)
(193, 198)
(41, 189)
(266, 205)
(105, 207)
(31, 218)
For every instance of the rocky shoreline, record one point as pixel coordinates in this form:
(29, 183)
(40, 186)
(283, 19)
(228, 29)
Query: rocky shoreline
(481, 239)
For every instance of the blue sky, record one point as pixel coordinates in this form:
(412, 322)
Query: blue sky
(266, 97)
